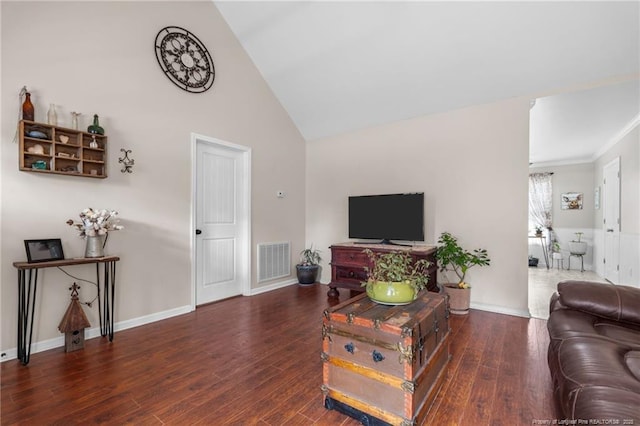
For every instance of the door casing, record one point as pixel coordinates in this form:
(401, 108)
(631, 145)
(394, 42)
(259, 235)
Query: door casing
(611, 229)
(244, 262)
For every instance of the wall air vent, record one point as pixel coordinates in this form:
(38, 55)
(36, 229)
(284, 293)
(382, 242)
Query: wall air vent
(274, 261)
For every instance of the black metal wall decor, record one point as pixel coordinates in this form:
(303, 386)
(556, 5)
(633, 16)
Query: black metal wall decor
(127, 163)
(184, 59)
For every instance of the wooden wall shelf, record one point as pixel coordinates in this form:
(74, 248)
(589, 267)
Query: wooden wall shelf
(64, 151)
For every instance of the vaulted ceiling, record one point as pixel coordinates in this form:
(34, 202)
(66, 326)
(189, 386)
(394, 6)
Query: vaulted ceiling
(341, 66)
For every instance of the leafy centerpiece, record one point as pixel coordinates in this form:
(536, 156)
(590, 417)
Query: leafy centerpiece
(394, 278)
(95, 226)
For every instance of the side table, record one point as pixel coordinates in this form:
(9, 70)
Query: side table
(28, 285)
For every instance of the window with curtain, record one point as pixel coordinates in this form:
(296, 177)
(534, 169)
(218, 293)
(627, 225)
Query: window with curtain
(540, 200)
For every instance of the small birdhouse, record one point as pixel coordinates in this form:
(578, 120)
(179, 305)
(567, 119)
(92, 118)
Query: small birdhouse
(73, 323)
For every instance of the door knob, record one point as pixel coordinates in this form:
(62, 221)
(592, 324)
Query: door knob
(198, 231)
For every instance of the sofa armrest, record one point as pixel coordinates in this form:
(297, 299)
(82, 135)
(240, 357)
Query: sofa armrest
(615, 302)
(554, 303)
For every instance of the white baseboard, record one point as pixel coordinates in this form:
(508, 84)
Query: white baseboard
(271, 287)
(92, 332)
(500, 310)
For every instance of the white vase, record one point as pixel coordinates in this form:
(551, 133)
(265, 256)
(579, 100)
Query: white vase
(95, 246)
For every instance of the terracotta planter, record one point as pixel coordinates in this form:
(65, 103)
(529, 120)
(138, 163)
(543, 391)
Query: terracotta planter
(459, 299)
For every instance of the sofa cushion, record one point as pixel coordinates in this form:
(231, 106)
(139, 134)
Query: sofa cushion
(593, 379)
(615, 302)
(602, 405)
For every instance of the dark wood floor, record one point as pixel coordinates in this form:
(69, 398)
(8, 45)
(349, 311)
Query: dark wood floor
(256, 360)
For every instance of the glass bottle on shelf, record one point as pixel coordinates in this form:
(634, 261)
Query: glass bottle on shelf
(52, 117)
(95, 127)
(74, 120)
(28, 111)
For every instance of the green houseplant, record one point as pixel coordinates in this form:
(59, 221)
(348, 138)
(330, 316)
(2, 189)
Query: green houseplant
(452, 257)
(309, 266)
(394, 278)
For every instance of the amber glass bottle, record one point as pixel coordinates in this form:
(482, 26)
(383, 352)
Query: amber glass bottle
(27, 108)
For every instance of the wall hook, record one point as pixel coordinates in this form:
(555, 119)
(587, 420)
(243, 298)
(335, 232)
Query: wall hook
(127, 163)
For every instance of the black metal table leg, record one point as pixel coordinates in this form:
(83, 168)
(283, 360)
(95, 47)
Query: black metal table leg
(106, 298)
(102, 333)
(27, 286)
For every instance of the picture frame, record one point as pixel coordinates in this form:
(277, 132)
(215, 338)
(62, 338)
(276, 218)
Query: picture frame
(572, 201)
(44, 250)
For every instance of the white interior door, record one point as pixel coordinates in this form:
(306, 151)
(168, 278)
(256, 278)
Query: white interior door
(222, 221)
(611, 222)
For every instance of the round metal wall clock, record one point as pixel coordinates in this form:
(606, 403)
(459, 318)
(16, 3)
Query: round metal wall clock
(184, 59)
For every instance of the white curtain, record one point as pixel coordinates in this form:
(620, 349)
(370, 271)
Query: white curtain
(540, 199)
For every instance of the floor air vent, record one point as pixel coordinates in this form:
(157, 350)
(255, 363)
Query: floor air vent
(274, 261)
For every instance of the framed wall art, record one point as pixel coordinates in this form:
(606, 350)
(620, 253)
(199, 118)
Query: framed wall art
(43, 250)
(572, 201)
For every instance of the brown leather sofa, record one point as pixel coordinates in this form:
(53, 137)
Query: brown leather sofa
(594, 352)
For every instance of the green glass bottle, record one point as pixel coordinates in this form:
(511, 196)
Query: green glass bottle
(95, 127)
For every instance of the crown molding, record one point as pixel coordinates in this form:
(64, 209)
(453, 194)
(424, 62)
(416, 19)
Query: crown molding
(617, 137)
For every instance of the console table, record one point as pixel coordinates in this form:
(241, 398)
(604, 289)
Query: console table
(28, 284)
(348, 261)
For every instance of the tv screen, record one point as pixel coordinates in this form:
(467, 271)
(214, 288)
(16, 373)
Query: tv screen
(387, 217)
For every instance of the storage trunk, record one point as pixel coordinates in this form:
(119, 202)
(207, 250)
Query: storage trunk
(385, 363)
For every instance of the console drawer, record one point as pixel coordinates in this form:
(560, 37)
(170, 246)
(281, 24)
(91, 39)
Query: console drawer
(357, 257)
(350, 274)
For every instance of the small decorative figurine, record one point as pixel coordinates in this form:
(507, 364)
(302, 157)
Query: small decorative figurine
(73, 323)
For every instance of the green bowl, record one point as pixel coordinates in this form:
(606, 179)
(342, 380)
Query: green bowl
(391, 293)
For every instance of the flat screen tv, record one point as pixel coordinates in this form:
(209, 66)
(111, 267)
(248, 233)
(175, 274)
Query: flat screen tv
(387, 217)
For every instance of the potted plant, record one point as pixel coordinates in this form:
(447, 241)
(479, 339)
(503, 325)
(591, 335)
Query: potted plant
(95, 225)
(578, 247)
(452, 257)
(394, 278)
(308, 268)
(538, 231)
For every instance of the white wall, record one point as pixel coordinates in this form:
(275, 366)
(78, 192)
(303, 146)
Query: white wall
(471, 165)
(98, 57)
